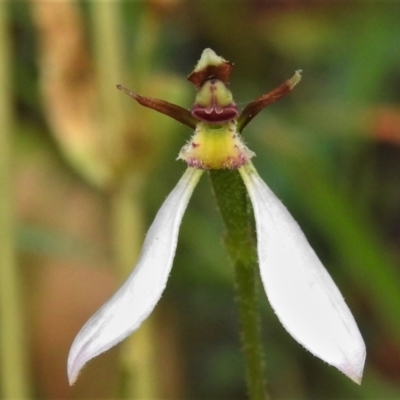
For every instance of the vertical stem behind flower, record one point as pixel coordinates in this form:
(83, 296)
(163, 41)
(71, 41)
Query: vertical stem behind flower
(14, 380)
(109, 65)
(240, 242)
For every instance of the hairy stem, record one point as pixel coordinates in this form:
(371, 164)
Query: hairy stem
(234, 205)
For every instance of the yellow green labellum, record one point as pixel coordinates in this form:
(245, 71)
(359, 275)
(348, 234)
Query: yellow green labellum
(216, 147)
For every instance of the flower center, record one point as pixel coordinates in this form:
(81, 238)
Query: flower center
(215, 147)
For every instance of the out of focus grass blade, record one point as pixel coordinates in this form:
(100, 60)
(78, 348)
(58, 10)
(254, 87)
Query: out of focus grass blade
(13, 353)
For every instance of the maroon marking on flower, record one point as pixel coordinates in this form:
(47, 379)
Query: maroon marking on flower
(221, 72)
(214, 114)
(195, 163)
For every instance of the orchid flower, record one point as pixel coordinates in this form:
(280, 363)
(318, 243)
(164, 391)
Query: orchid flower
(299, 288)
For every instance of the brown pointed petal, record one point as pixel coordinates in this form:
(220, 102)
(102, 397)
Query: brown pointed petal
(257, 105)
(172, 110)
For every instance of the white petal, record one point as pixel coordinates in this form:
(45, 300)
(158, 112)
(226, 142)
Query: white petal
(137, 297)
(300, 290)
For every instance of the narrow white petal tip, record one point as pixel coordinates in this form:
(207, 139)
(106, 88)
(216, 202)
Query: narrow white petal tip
(82, 350)
(354, 367)
(137, 297)
(72, 377)
(74, 367)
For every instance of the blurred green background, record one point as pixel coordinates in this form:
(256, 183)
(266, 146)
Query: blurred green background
(84, 169)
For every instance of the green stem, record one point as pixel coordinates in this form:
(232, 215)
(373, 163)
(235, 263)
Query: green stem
(234, 205)
(14, 382)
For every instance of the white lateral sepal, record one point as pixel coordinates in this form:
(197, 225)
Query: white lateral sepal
(137, 297)
(300, 290)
